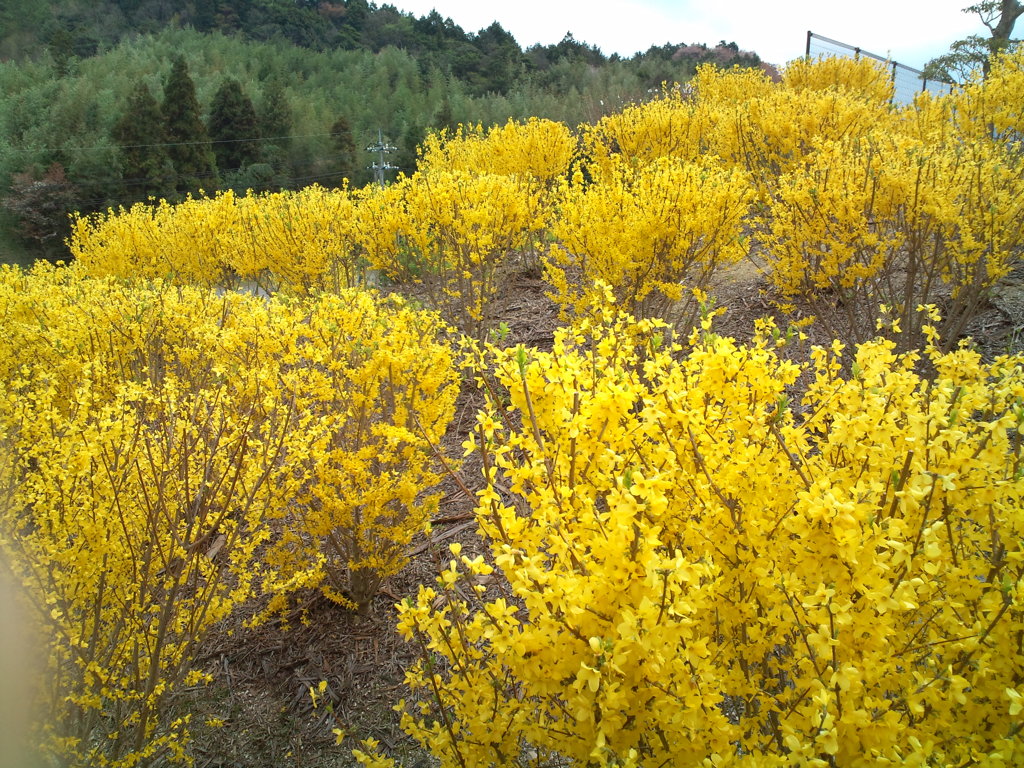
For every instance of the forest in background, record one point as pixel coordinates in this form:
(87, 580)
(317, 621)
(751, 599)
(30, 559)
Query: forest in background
(266, 95)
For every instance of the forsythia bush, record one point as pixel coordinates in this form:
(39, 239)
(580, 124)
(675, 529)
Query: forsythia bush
(373, 389)
(868, 79)
(453, 233)
(703, 573)
(745, 119)
(990, 108)
(537, 153)
(539, 150)
(170, 453)
(133, 494)
(301, 241)
(654, 234)
(733, 119)
(863, 204)
(669, 126)
(771, 135)
(893, 220)
(806, 156)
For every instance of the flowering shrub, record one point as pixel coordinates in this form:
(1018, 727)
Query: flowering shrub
(989, 108)
(701, 572)
(863, 77)
(536, 153)
(154, 435)
(671, 125)
(653, 233)
(300, 241)
(134, 490)
(453, 233)
(894, 221)
(539, 150)
(373, 389)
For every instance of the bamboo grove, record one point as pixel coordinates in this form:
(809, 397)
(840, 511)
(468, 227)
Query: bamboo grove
(702, 552)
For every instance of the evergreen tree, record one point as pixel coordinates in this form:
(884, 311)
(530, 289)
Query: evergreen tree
(188, 142)
(501, 59)
(406, 157)
(233, 128)
(145, 165)
(62, 51)
(274, 122)
(344, 147)
(445, 118)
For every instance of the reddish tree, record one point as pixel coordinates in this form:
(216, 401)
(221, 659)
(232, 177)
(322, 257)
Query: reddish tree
(41, 202)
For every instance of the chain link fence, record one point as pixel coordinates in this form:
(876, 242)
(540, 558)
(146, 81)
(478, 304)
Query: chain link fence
(907, 81)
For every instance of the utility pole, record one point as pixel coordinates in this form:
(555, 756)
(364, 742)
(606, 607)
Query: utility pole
(381, 165)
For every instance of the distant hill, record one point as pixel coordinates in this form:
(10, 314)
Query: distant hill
(314, 83)
(487, 61)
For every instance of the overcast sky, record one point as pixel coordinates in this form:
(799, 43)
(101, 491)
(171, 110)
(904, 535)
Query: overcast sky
(908, 31)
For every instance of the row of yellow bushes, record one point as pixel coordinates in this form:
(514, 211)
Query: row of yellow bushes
(847, 201)
(700, 569)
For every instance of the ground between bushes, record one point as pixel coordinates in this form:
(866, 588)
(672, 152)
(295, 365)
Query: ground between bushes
(262, 676)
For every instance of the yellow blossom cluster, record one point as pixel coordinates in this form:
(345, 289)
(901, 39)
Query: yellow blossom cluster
(672, 125)
(867, 79)
(453, 233)
(846, 200)
(158, 438)
(737, 134)
(372, 389)
(536, 156)
(300, 241)
(893, 220)
(857, 202)
(702, 572)
(472, 213)
(539, 150)
(654, 234)
(700, 556)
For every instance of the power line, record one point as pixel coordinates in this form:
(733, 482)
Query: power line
(171, 143)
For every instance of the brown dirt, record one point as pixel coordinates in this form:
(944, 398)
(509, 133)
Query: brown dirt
(262, 676)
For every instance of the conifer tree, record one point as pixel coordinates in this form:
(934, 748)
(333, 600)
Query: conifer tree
(406, 158)
(145, 165)
(188, 142)
(445, 118)
(233, 128)
(344, 147)
(62, 51)
(275, 124)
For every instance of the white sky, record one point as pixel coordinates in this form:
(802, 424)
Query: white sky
(908, 31)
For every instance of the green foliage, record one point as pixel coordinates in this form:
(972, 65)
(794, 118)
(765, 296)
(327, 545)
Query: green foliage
(971, 54)
(275, 123)
(42, 202)
(378, 67)
(344, 147)
(233, 127)
(188, 142)
(139, 133)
